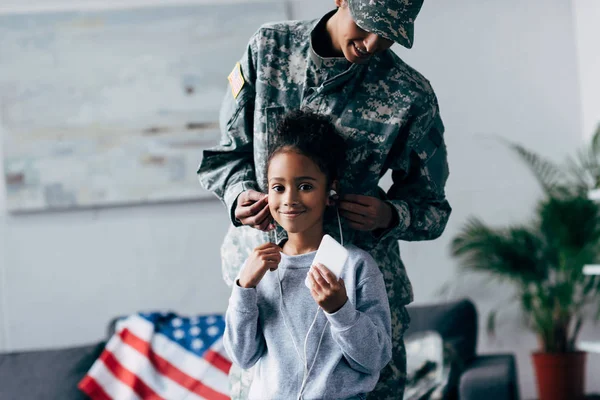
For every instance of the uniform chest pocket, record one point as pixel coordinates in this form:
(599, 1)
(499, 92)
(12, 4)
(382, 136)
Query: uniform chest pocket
(375, 135)
(368, 144)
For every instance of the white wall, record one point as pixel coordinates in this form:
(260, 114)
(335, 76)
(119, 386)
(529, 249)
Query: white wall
(63, 276)
(67, 274)
(499, 68)
(587, 31)
(495, 67)
(506, 69)
(3, 320)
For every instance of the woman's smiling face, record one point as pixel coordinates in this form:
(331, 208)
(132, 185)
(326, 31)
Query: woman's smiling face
(354, 43)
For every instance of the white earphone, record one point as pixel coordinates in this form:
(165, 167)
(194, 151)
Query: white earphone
(333, 193)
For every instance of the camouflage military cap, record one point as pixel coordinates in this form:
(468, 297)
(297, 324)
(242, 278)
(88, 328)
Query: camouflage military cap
(391, 19)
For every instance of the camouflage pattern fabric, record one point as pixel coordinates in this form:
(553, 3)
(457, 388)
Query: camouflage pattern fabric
(389, 116)
(239, 382)
(391, 19)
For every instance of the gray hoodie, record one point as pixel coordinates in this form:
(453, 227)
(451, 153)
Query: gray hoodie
(355, 341)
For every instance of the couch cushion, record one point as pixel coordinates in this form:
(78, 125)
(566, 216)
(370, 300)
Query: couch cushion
(490, 377)
(49, 374)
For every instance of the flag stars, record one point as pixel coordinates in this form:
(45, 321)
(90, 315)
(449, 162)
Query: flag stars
(197, 344)
(212, 331)
(177, 341)
(177, 322)
(179, 334)
(195, 331)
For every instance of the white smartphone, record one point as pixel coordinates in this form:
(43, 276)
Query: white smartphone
(332, 255)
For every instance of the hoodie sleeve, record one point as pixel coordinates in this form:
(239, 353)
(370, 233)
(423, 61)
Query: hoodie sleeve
(243, 339)
(364, 331)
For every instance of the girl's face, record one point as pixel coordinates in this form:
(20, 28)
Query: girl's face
(354, 43)
(297, 192)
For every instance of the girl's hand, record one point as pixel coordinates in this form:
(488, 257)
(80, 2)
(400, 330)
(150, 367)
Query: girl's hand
(253, 210)
(326, 289)
(265, 257)
(366, 213)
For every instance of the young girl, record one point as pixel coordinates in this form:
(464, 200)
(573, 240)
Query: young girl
(327, 342)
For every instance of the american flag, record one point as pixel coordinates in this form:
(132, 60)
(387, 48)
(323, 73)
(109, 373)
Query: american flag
(154, 356)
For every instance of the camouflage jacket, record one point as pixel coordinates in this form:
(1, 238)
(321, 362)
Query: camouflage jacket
(388, 114)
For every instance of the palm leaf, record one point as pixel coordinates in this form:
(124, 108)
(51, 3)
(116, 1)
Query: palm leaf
(512, 253)
(583, 170)
(548, 174)
(571, 226)
(595, 144)
(545, 257)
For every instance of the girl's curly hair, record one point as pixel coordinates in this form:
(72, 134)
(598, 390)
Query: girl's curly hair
(313, 136)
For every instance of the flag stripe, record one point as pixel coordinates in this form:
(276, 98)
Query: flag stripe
(128, 377)
(89, 386)
(113, 387)
(217, 360)
(188, 362)
(132, 360)
(167, 369)
(157, 356)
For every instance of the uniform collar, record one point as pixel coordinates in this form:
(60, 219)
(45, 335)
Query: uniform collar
(326, 62)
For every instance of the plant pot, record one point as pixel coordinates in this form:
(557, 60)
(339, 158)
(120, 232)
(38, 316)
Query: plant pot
(560, 376)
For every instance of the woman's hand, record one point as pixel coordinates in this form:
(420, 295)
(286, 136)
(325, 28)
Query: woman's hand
(265, 257)
(366, 213)
(328, 291)
(253, 210)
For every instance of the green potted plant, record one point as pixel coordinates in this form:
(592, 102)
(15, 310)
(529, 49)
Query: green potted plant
(544, 259)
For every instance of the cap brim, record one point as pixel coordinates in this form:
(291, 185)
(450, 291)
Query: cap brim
(384, 29)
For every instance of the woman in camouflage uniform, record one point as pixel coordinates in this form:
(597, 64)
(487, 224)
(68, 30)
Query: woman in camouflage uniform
(339, 66)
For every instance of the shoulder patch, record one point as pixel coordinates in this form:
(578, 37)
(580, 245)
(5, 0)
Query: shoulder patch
(236, 80)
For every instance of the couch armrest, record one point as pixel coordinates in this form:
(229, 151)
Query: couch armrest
(111, 328)
(46, 374)
(490, 377)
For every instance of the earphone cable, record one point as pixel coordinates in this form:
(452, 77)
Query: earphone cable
(306, 370)
(305, 380)
(337, 210)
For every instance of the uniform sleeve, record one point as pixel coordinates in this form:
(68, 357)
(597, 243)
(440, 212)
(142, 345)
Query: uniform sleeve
(228, 169)
(243, 340)
(363, 331)
(418, 194)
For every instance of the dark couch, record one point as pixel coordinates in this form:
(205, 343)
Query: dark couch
(54, 374)
(472, 376)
